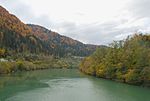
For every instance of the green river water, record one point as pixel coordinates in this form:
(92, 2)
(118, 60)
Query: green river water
(66, 85)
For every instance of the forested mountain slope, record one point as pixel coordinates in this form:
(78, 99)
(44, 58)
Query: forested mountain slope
(17, 37)
(62, 44)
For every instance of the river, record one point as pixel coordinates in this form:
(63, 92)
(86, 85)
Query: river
(66, 85)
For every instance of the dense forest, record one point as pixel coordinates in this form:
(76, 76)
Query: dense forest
(60, 45)
(126, 61)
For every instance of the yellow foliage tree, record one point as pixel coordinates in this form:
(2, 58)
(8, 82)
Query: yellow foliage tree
(2, 52)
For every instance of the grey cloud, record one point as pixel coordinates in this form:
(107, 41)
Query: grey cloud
(139, 8)
(94, 33)
(101, 33)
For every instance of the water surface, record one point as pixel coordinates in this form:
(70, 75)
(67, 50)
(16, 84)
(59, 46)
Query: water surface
(66, 85)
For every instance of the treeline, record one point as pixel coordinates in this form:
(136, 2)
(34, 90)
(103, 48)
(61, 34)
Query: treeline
(126, 61)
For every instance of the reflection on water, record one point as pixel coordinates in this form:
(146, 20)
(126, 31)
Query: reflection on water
(66, 85)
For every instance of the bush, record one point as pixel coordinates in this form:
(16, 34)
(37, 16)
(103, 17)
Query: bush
(20, 65)
(6, 67)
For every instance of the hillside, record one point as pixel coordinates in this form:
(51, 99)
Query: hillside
(61, 44)
(17, 37)
(12, 23)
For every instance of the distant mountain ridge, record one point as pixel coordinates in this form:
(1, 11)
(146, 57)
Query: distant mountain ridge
(45, 35)
(19, 37)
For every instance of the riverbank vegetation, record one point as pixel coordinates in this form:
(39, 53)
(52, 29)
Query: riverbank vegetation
(126, 61)
(22, 62)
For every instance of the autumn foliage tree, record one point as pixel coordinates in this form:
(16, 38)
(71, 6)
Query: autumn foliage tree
(2, 52)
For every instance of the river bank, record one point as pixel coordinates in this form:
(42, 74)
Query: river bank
(37, 63)
(126, 61)
(140, 84)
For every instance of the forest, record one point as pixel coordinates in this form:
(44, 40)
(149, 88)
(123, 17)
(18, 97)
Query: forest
(125, 61)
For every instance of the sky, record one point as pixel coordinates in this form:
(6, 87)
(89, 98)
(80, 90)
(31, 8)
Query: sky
(89, 21)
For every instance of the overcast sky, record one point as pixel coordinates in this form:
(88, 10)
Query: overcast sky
(89, 21)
